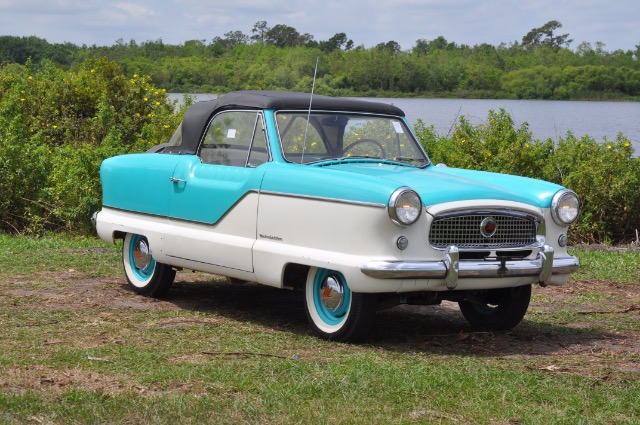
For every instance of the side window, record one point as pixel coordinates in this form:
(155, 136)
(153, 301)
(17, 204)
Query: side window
(230, 140)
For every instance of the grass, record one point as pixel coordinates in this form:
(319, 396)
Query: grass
(615, 265)
(78, 347)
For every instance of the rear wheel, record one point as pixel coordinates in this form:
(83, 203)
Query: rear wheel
(334, 312)
(144, 274)
(497, 309)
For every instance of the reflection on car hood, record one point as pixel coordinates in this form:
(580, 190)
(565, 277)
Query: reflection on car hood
(442, 184)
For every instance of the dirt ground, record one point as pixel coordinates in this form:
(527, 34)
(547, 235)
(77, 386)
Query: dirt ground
(590, 328)
(597, 307)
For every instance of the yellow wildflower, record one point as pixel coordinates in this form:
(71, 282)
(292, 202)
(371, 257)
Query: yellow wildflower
(609, 146)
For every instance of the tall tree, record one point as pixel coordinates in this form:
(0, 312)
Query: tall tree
(285, 36)
(338, 41)
(391, 46)
(421, 47)
(544, 36)
(231, 39)
(260, 30)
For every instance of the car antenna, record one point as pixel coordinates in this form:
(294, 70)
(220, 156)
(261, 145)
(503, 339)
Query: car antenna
(313, 87)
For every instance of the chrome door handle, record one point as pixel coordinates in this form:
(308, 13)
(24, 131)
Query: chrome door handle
(177, 180)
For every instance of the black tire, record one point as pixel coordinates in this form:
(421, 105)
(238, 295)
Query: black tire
(334, 312)
(144, 274)
(497, 309)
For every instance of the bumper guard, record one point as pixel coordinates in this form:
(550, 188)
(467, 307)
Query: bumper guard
(450, 268)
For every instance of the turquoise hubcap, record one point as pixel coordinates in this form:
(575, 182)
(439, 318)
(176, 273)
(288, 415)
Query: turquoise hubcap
(331, 296)
(140, 257)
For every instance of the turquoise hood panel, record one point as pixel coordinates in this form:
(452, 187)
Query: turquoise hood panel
(327, 183)
(442, 184)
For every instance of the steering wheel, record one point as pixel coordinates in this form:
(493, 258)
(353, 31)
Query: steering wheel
(371, 141)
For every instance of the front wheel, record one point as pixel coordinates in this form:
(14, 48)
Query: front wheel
(144, 275)
(498, 309)
(334, 312)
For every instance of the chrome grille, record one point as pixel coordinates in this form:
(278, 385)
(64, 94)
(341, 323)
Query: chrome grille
(463, 231)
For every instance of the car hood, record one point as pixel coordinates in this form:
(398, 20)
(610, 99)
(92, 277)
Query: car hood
(443, 184)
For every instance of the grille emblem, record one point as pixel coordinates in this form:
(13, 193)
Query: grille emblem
(488, 227)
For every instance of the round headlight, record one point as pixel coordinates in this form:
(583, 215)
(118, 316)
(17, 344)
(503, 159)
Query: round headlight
(564, 207)
(404, 206)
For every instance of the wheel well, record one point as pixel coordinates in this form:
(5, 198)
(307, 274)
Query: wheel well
(295, 275)
(118, 235)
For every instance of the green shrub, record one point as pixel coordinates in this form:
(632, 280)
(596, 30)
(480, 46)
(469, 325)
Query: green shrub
(496, 146)
(605, 175)
(57, 126)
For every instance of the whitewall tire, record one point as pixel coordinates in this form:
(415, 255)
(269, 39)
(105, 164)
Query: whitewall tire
(144, 274)
(334, 312)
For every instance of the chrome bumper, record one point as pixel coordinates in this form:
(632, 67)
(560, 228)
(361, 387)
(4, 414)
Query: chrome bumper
(450, 268)
(94, 218)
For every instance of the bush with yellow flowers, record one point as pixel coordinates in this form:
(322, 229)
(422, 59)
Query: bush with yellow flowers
(56, 127)
(605, 174)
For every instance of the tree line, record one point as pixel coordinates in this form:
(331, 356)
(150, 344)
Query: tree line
(540, 66)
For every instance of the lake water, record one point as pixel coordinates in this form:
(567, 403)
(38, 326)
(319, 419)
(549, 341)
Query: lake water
(546, 119)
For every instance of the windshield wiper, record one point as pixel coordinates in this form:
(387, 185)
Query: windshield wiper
(404, 161)
(343, 158)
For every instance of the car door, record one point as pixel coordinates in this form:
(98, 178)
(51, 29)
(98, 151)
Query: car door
(215, 195)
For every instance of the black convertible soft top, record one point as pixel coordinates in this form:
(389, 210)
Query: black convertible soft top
(199, 114)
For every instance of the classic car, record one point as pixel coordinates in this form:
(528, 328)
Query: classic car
(334, 197)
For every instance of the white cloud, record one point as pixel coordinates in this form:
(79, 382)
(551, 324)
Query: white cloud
(135, 10)
(365, 22)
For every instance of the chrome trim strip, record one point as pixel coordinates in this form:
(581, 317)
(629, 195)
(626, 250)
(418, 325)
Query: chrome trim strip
(184, 220)
(533, 246)
(247, 193)
(490, 211)
(544, 266)
(323, 199)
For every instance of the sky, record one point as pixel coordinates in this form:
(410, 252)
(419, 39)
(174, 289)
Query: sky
(616, 23)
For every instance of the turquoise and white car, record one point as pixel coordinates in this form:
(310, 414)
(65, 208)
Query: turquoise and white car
(336, 198)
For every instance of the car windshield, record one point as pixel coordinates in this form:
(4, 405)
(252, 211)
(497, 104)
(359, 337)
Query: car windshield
(331, 136)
